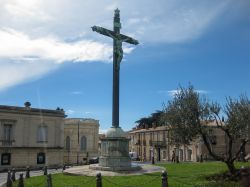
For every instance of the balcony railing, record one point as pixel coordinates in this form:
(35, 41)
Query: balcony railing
(159, 143)
(6, 143)
(138, 142)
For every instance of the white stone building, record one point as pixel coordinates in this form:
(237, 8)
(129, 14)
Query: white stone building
(30, 137)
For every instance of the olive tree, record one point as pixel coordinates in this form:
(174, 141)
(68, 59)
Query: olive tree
(188, 116)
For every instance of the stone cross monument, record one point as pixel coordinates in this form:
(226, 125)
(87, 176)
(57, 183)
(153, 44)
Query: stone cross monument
(115, 147)
(117, 58)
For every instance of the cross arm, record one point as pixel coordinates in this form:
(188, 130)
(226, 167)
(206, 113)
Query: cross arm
(103, 31)
(128, 39)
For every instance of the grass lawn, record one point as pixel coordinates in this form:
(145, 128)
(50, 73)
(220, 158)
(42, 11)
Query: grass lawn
(179, 175)
(191, 174)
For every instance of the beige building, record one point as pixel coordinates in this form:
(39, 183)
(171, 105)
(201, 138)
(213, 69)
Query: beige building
(80, 140)
(219, 144)
(149, 142)
(30, 136)
(154, 142)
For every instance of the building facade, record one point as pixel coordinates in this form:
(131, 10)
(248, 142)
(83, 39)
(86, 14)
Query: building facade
(155, 142)
(30, 137)
(80, 140)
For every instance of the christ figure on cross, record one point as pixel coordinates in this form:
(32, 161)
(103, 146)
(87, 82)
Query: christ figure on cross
(117, 58)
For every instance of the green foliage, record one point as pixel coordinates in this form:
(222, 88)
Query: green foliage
(238, 113)
(190, 115)
(154, 119)
(185, 114)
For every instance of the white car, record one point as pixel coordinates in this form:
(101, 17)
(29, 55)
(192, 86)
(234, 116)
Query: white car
(133, 156)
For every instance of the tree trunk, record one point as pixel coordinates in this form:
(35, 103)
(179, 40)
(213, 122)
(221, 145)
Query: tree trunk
(231, 167)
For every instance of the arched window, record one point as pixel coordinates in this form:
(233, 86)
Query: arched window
(83, 143)
(68, 143)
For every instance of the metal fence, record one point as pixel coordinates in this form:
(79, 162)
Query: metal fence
(91, 182)
(100, 181)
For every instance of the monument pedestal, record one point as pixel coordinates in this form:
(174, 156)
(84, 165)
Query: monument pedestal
(115, 146)
(115, 152)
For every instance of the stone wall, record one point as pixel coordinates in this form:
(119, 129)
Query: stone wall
(21, 158)
(75, 129)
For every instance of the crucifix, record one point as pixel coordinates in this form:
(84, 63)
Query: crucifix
(117, 58)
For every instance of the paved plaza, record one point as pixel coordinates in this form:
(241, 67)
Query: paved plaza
(3, 176)
(86, 171)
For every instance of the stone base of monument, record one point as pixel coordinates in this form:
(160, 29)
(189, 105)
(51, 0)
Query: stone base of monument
(115, 152)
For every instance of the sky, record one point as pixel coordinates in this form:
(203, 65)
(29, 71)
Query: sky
(50, 56)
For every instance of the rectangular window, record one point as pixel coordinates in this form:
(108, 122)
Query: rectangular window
(164, 154)
(41, 158)
(5, 159)
(163, 136)
(7, 132)
(42, 134)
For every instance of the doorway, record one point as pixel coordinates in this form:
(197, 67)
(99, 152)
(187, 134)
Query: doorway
(158, 154)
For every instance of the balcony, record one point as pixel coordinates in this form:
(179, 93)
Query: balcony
(159, 143)
(138, 142)
(6, 143)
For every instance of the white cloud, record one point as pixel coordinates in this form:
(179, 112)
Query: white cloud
(26, 58)
(16, 45)
(164, 21)
(69, 112)
(26, 8)
(33, 33)
(12, 74)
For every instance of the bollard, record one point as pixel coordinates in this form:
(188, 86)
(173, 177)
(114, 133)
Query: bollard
(164, 178)
(13, 176)
(27, 175)
(9, 182)
(98, 180)
(20, 182)
(49, 180)
(45, 170)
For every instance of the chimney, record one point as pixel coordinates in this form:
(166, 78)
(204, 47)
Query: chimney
(27, 104)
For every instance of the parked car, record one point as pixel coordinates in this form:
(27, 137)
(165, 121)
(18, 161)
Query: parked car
(133, 156)
(94, 160)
